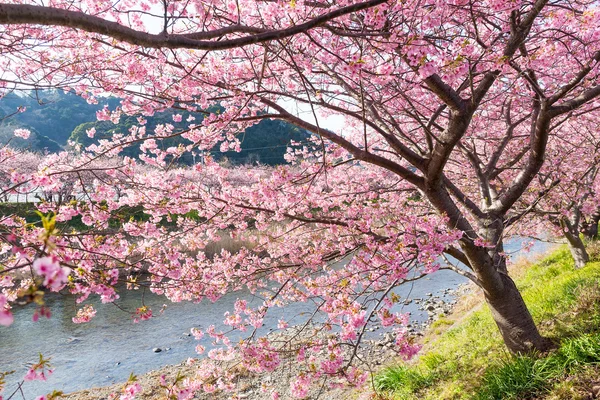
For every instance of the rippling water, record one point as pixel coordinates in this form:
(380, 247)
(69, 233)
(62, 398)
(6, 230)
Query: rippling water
(110, 347)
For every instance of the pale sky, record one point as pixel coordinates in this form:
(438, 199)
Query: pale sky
(333, 122)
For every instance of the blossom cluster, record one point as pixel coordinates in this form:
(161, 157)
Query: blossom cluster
(55, 276)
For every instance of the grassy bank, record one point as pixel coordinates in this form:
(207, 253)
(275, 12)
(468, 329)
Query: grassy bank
(464, 357)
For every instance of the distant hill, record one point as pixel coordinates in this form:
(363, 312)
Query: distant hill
(50, 113)
(35, 142)
(55, 117)
(264, 143)
(106, 129)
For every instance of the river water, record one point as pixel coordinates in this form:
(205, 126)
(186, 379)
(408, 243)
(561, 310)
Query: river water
(108, 348)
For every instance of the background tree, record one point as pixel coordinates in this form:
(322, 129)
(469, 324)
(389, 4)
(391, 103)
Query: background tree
(563, 199)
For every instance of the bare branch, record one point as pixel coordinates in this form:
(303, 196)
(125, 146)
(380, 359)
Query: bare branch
(357, 152)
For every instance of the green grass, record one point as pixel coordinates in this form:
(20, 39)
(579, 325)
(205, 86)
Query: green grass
(513, 378)
(525, 376)
(469, 360)
(402, 378)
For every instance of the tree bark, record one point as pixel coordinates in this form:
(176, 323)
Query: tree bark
(502, 296)
(578, 251)
(508, 308)
(514, 321)
(590, 228)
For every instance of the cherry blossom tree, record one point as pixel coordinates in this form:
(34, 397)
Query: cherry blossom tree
(563, 198)
(449, 111)
(15, 166)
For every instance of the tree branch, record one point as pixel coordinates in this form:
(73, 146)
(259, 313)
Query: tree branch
(15, 14)
(575, 81)
(357, 152)
(576, 102)
(511, 220)
(539, 139)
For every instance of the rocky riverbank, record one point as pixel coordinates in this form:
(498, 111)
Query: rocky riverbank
(378, 351)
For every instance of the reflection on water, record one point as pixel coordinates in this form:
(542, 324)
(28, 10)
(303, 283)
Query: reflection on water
(108, 348)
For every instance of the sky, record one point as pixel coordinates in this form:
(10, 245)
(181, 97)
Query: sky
(331, 122)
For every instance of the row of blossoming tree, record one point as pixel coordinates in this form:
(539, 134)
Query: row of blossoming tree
(450, 110)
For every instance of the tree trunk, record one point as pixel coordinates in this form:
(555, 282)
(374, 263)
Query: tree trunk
(514, 321)
(578, 251)
(590, 227)
(502, 296)
(508, 309)
(591, 231)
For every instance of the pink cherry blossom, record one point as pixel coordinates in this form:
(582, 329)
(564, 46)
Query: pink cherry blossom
(6, 317)
(22, 133)
(84, 314)
(55, 276)
(457, 123)
(300, 387)
(130, 391)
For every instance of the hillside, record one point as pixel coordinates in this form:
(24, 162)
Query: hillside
(50, 113)
(55, 118)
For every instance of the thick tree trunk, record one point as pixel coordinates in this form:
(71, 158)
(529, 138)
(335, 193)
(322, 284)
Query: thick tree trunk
(508, 308)
(578, 251)
(514, 321)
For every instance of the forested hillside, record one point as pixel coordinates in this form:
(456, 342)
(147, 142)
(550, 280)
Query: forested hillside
(55, 118)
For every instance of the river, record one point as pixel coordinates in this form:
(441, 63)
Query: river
(108, 348)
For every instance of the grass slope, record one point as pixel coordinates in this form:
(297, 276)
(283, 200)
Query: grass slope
(469, 361)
